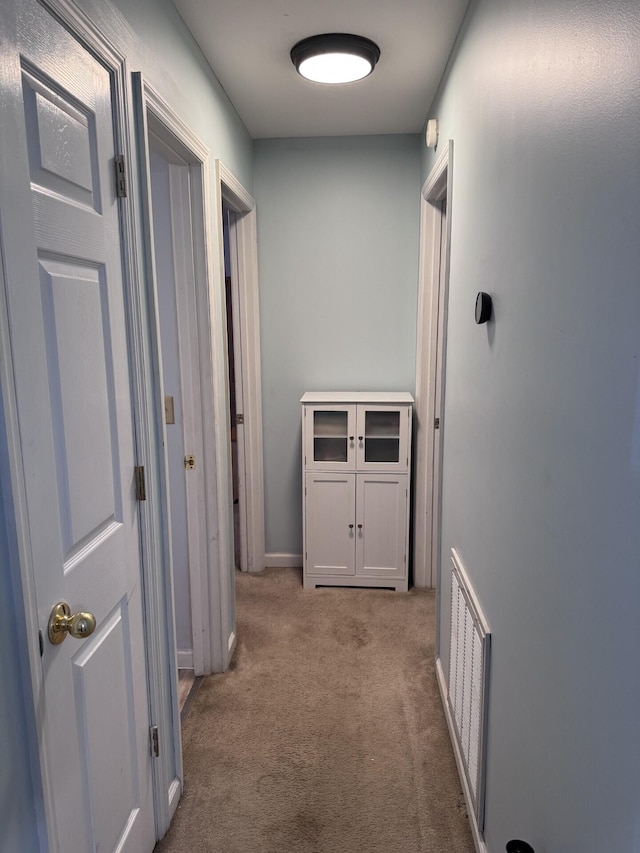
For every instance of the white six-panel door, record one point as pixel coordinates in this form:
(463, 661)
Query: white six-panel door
(64, 284)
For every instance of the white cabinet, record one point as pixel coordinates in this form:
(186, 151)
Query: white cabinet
(356, 450)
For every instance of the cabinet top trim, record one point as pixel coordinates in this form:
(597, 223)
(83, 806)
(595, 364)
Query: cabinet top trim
(357, 397)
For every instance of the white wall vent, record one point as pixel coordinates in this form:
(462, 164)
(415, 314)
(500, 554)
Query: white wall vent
(468, 681)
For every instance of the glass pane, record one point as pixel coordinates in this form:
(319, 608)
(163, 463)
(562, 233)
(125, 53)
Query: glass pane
(330, 423)
(381, 449)
(330, 449)
(382, 424)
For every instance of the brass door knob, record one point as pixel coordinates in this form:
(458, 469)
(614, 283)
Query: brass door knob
(62, 622)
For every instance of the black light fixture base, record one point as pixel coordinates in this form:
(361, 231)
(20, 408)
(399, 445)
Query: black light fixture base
(335, 43)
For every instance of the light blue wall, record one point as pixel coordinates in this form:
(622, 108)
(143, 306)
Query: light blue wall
(542, 417)
(338, 250)
(154, 40)
(157, 43)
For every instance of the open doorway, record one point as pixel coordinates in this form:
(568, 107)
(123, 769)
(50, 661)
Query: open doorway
(175, 249)
(170, 182)
(239, 240)
(435, 230)
(233, 409)
(188, 332)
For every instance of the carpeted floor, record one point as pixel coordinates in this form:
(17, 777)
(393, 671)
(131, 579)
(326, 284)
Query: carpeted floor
(326, 735)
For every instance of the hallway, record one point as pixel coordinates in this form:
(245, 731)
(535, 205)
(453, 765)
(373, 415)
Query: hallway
(327, 733)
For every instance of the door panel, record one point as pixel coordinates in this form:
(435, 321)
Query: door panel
(104, 658)
(62, 153)
(78, 374)
(70, 361)
(382, 511)
(330, 539)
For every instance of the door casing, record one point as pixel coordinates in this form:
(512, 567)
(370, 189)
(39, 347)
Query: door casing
(186, 214)
(211, 578)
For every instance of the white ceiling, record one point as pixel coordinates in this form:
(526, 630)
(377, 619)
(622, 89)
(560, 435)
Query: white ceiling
(247, 43)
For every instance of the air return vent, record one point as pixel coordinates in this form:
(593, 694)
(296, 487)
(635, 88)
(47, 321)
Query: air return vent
(468, 682)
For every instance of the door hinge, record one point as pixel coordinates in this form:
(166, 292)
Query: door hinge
(436, 423)
(239, 420)
(141, 487)
(154, 742)
(121, 176)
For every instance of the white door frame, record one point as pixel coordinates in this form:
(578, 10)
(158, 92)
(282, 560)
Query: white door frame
(159, 633)
(211, 572)
(188, 216)
(435, 241)
(243, 245)
(187, 243)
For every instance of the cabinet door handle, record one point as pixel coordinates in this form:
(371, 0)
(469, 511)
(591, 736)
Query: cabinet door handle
(351, 438)
(360, 437)
(359, 527)
(351, 527)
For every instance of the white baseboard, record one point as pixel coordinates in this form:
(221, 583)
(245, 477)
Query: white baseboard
(283, 561)
(185, 659)
(175, 790)
(478, 840)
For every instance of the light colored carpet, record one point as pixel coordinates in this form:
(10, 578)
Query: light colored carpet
(327, 734)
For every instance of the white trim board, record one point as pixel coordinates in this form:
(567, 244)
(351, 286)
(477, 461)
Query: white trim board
(283, 561)
(478, 840)
(185, 659)
(372, 397)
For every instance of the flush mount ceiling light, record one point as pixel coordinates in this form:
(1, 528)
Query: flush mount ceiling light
(335, 57)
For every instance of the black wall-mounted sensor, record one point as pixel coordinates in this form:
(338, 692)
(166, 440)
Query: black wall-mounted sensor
(484, 307)
(519, 847)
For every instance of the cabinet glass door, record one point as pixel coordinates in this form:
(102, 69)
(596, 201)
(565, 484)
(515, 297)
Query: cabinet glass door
(330, 437)
(382, 438)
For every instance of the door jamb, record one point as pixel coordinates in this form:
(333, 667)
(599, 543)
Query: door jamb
(189, 338)
(216, 590)
(245, 309)
(430, 361)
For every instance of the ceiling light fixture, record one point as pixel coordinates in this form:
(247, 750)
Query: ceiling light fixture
(335, 57)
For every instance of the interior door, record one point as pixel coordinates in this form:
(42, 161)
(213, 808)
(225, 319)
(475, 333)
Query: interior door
(64, 287)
